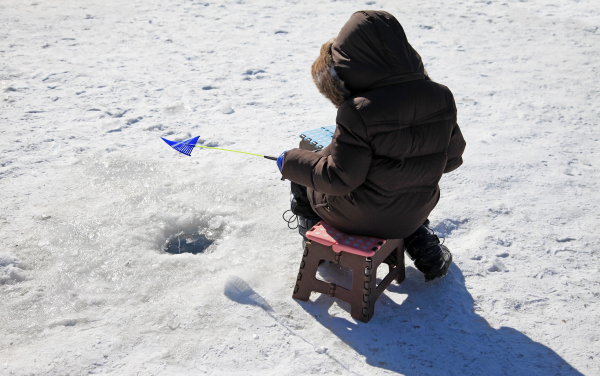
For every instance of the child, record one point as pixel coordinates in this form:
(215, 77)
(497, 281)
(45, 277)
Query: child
(396, 134)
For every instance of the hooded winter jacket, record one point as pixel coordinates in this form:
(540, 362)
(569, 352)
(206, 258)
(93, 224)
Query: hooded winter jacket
(395, 136)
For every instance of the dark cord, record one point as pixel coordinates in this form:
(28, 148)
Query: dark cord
(291, 219)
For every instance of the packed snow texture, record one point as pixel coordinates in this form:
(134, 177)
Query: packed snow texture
(90, 193)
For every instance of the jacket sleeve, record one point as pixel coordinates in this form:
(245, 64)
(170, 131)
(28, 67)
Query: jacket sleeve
(455, 150)
(343, 168)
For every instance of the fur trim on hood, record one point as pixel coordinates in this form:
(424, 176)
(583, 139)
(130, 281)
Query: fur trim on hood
(326, 78)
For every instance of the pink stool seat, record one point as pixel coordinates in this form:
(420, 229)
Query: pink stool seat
(339, 241)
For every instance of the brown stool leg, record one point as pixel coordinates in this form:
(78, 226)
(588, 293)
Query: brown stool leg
(307, 272)
(369, 297)
(396, 260)
(400, 264)
(371, 291)
(358, 297)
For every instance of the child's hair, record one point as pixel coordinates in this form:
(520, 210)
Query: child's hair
(326, 78)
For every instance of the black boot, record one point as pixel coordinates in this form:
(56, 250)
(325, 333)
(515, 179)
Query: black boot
(431, 258)
(300, 206)
(305, 224)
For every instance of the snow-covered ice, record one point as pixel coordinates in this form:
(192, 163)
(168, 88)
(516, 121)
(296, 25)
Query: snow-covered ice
(90, 193)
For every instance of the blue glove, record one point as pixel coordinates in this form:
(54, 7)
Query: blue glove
(280, 160)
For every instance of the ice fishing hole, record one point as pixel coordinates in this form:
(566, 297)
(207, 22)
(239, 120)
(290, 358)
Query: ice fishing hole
(187, 243)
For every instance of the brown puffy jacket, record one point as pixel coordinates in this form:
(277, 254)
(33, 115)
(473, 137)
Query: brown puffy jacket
(396, 135)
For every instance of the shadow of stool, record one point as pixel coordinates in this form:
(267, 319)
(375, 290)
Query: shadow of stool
(361, 254)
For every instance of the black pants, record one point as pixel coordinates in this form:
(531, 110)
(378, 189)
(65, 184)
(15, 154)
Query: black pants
(300, 205)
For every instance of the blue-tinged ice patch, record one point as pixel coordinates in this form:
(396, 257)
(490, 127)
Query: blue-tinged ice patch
(10, 270)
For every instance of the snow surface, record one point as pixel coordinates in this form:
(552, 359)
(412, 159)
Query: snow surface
(89, 192)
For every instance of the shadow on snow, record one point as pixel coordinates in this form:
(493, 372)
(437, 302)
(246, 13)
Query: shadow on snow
(435, 331)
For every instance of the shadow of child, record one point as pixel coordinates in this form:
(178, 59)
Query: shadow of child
(435, 331)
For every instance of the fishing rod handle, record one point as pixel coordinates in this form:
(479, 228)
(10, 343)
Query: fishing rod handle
(269, 157)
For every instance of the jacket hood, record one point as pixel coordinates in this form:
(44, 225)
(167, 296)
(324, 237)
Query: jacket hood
(372, 51)
(326, 78)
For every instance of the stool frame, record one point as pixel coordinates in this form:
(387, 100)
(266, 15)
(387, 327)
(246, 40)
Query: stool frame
(365, 291)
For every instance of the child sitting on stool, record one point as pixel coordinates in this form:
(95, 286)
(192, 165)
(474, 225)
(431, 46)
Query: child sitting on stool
(396, 134)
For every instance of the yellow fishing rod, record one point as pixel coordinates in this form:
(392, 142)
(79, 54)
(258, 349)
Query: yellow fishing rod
(186, 147)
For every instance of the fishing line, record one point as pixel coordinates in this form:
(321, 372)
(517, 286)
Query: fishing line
(187, 146)
(239, 291)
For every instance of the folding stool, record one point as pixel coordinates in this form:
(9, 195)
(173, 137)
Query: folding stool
(362, 254)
